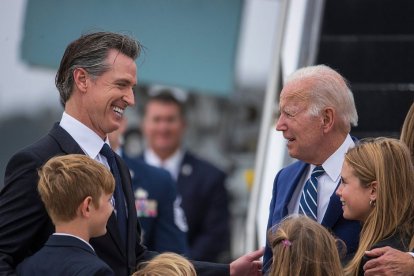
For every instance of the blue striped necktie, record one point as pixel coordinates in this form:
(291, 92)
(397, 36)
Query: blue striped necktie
(118, 193)
(308, 204)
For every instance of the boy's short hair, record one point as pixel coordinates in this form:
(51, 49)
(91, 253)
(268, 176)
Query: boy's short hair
(65, 181)
(170, 264)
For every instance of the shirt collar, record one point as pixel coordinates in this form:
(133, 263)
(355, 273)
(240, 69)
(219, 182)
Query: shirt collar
(333, 165)
(88, 140)
(70, 235)
(171, 164)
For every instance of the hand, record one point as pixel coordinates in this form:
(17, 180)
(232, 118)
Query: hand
(248, 265)
(389, 261)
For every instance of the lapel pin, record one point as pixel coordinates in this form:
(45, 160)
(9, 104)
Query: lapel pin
(186, 169)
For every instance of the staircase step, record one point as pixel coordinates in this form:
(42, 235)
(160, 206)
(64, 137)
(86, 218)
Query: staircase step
(368, 17)
(369, 59)
(381, 108)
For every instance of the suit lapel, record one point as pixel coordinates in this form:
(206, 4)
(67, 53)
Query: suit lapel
(65, 141)
(333, 212)
(186, 162)
(294, 176)
(130, 202)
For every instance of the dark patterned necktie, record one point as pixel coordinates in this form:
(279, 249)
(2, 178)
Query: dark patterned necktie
(118, 193)
(308, 204)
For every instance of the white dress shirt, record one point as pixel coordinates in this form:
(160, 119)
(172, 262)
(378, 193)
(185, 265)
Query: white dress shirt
(171, 164)
(327, 182)
(87, 139)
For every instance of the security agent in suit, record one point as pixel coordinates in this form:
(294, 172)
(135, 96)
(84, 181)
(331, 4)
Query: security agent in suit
(200, 185)
(95, 80)
(155, 194)
(316, 113)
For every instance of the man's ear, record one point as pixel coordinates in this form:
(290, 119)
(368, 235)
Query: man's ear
(328, 116)
(80, 77)
(373, 195)
(85, 207)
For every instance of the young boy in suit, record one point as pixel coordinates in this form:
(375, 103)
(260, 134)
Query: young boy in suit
(77, 194)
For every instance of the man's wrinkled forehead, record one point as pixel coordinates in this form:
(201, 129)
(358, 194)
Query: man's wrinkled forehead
(294, 94)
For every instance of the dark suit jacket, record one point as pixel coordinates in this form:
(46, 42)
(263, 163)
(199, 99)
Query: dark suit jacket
(205, 204)
(397, 241)
(156, 210)
(25, 225)
(283, 188)
(64, 256)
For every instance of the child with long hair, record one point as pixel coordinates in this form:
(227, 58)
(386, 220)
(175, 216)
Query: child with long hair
(377, 189)
(301, 246)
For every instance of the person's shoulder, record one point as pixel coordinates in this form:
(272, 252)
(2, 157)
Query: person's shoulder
(38, 152)
(146, 170)
(198, 162)
(96, 267)
(28, 264)
(292, 168)
(296, 165)
(397, 241)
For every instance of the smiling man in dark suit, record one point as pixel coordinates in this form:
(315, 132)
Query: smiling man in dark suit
(95, 79)
(200, 185)
(316, 113)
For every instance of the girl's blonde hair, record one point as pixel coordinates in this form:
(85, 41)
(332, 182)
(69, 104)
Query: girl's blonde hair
(170, 264)
(388, 162)
(301, 246)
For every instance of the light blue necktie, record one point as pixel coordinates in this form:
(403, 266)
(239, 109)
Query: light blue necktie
(308, 204)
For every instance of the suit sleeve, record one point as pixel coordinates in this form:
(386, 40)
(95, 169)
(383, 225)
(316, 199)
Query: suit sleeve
(167, 236)
(268, 255)
(24, 223)
(214, 237)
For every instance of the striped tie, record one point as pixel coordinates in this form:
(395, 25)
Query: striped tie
(308, 204)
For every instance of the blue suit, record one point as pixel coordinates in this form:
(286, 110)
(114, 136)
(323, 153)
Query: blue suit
(205, 204)
(155, 193)
(64, 256)
(284, 186)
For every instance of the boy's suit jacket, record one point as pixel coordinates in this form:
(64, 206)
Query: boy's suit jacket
(284, 186)
(64, 256)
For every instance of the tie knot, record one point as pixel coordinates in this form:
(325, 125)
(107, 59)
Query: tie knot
(317, 171)
(107, 151)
